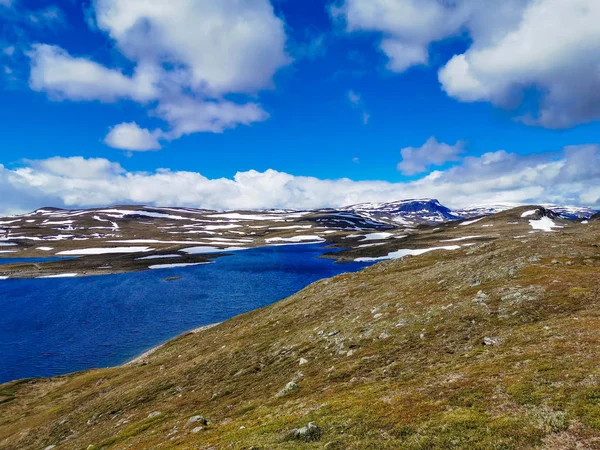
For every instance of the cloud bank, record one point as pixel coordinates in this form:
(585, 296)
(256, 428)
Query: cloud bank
(570, 176)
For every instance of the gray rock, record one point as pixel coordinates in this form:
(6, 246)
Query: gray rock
(490, 341)
(480, 298)
(197, 429)
(290, 387)
(154, 414)
(309, 433)
(302, 361)
(196, 420)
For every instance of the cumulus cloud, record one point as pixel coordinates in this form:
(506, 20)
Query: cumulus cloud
(407, 26)
(554, 48)
(431, 153)
(569, 176)
(548, 50)
(187, 115)
(63, 76)
(75, 167)
(130, 136)
(224, 45)
(187, 56)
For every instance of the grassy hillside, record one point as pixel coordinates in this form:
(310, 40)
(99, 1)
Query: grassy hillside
(491, 346)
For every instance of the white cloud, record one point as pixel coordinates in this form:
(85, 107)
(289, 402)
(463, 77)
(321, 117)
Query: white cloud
(554, 48)
(224, 45)
(402, 56)
(549, 49)
(570, 176)
(9, 51)
(76, 167)
(188, 56)
(129, 136)
(431, 153)
(407, 26)
(187, 116)
(63, 76)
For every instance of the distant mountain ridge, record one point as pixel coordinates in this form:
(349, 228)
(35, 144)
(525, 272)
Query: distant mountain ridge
(405, 212)
(378, 215)
(430, 211)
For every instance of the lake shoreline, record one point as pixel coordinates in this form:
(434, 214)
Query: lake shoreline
(141, 357)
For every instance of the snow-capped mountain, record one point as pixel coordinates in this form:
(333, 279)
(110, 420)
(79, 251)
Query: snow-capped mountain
(431, 211)
(570, 212)
(405, 212)
(484, 210)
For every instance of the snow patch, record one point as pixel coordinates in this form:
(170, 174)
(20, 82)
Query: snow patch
(158, 257)
(544, 224)
(206, 249)
(105, 250)
(172, 266)
(464, 238)
(301, 238)
(370, 245)
(469, 222)
(529, 213)
(377, 236)
(61, 275)
(407, 252)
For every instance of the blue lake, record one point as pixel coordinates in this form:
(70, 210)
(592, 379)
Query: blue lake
(55, 326)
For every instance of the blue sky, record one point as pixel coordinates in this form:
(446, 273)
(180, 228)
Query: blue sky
(329, 98)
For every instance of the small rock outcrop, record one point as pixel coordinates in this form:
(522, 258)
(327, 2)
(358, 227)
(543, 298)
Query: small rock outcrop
(290, 387)
(196, 420)
(490, 341)
(309, 433)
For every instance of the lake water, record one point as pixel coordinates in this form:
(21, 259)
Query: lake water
(55, 326)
